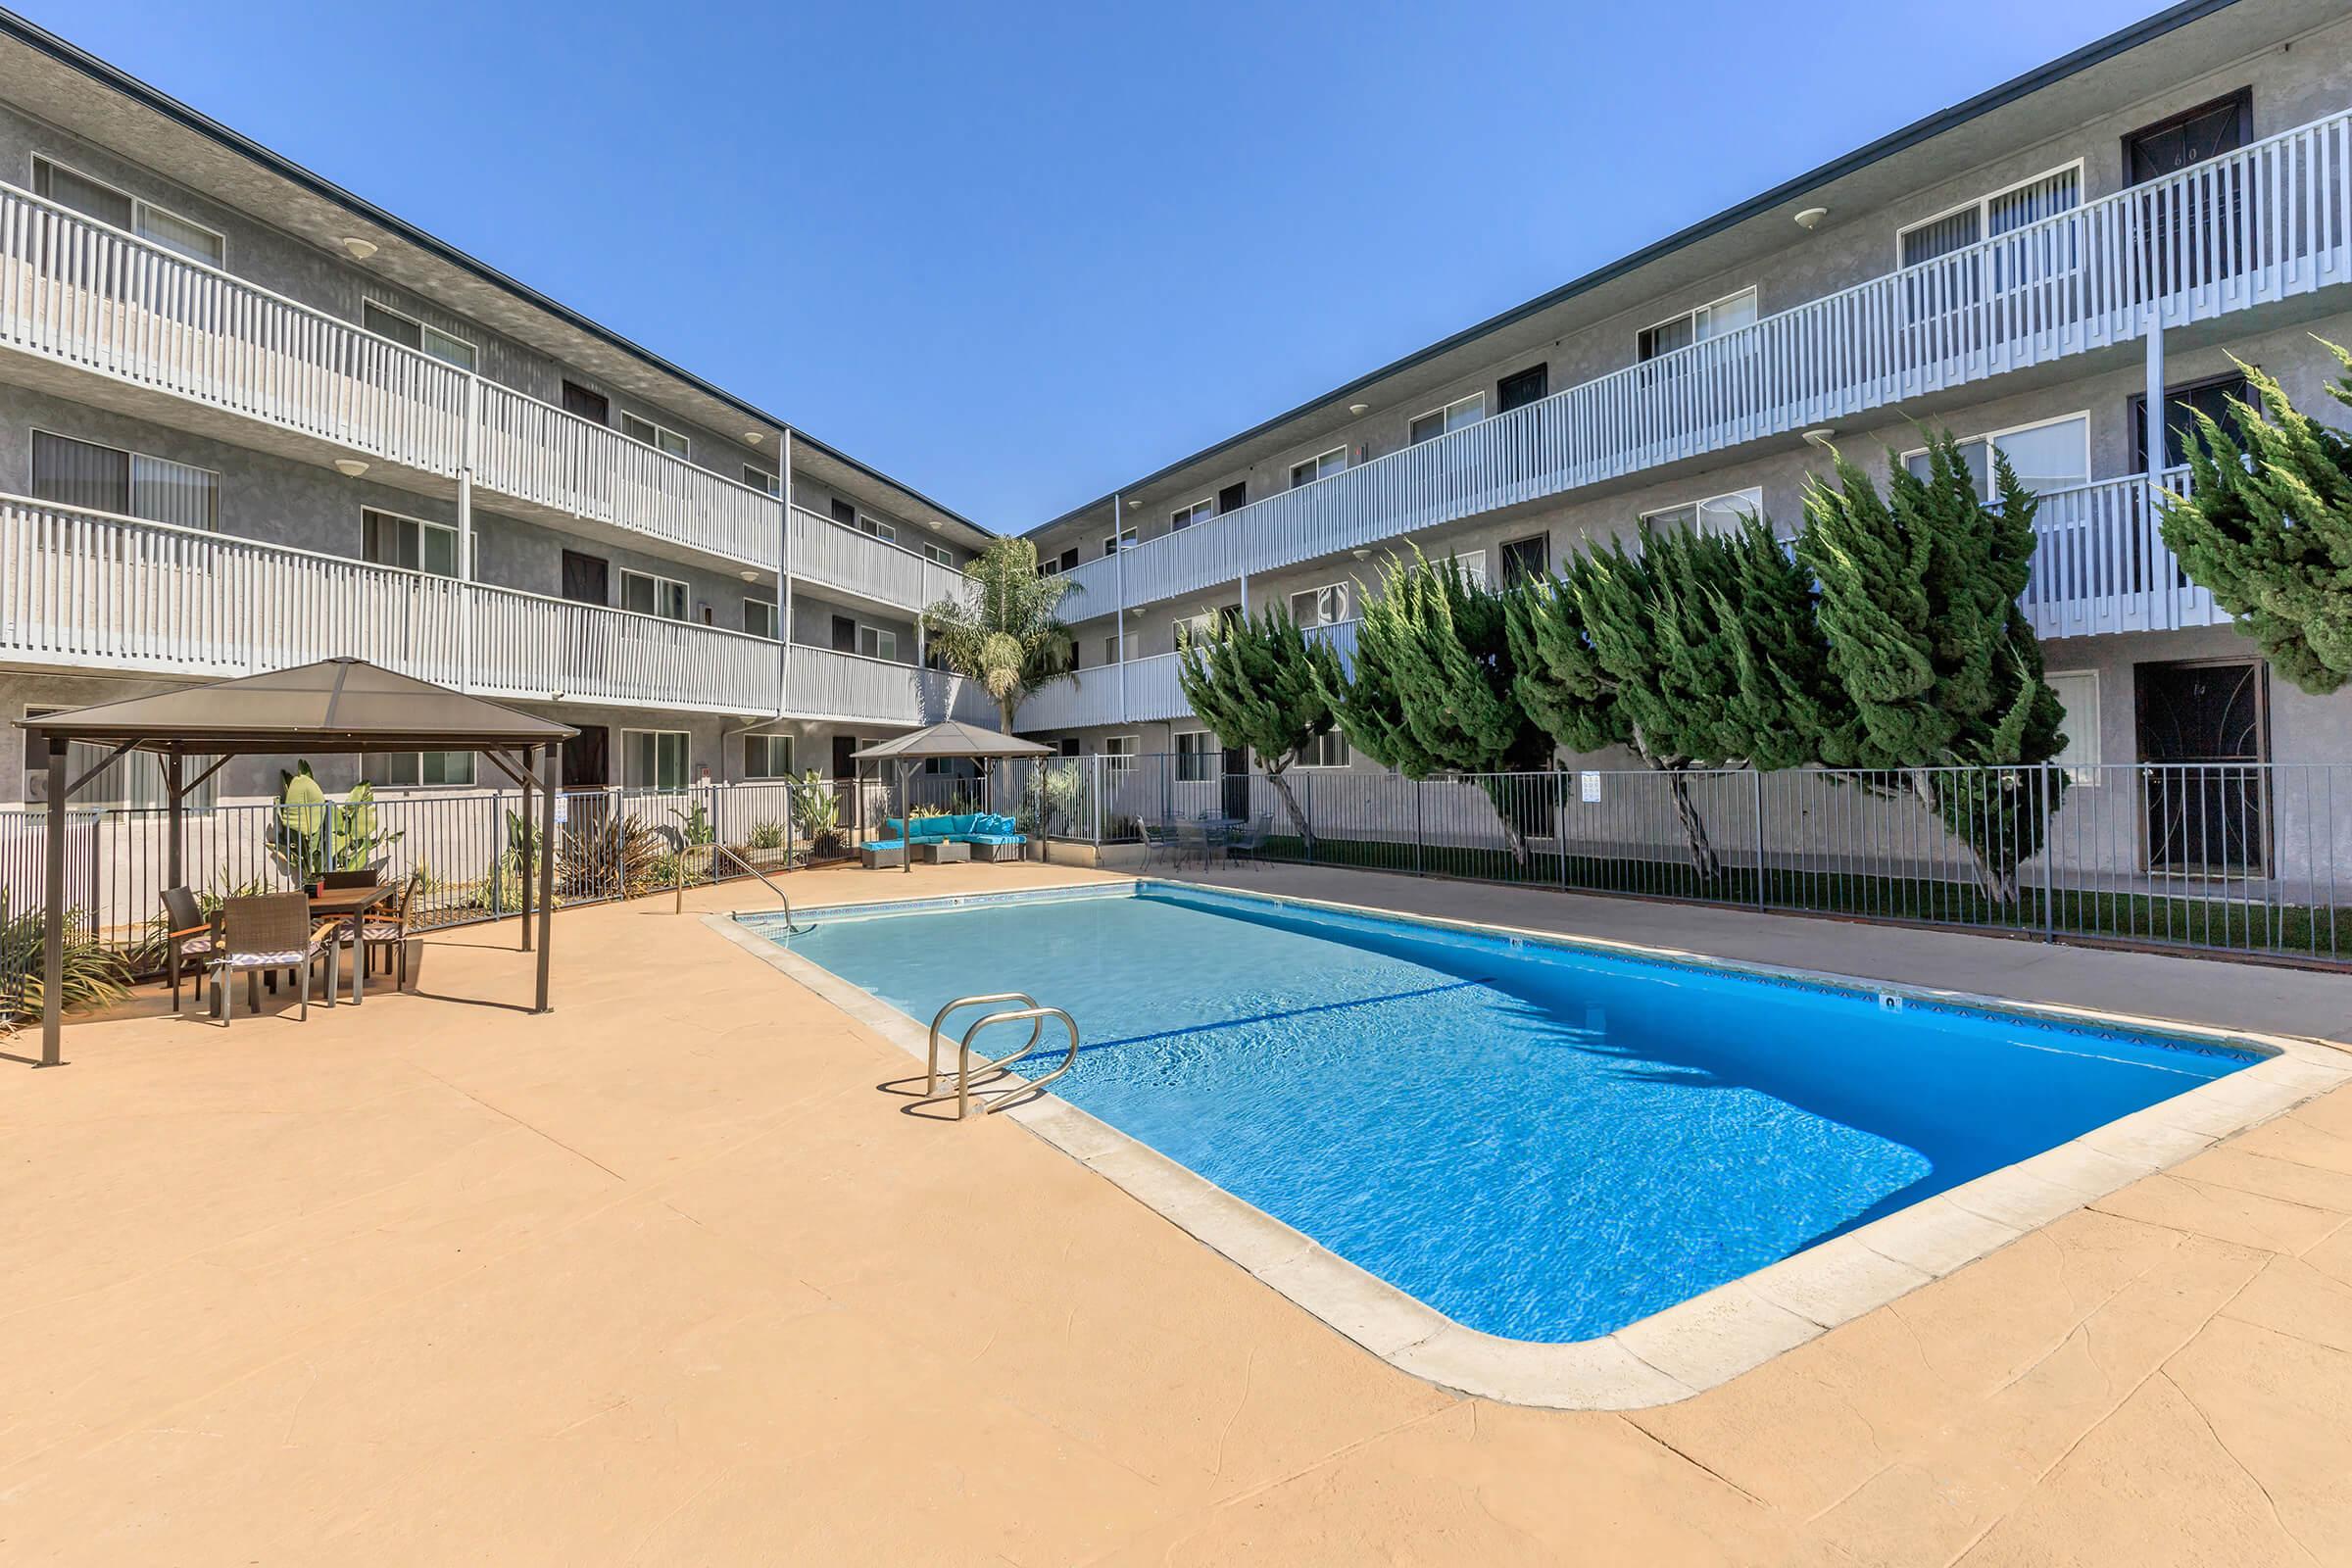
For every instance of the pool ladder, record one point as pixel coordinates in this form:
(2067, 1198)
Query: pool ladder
(783, 898)
(1031, 1014)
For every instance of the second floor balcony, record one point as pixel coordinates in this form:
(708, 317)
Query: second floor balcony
(86, 590)
(2267, 223)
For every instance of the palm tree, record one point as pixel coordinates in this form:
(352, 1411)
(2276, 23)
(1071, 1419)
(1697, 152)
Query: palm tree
(1004, 635)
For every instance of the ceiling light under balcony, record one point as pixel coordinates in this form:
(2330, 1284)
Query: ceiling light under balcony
(749, 577)
(754, 437)
(1359, 408)
(349, 467)
(360, 249)
(1810, 219)
(1820, 435)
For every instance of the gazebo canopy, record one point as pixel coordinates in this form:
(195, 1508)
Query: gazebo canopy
(336, 704)
(950, 739)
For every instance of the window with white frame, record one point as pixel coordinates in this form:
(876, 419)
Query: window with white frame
(427, 769)
(659, 436)
(1453, 417)
(135, 780)
(158, 226)
(940, 554)
(1111, 647)
(1472, 565)
(1184, 517)
(411, 543)
(1114, 543)
(2053, 455)
(877, 642)
(1327, 750)
(404, 328)
(1198, 627)
(649, 595)
(2077, 694)
(760, 619)
(2011, 208)
(1322, 466)
(132, 484)
(1324, 607)
(1715, 514)
(1195, 753)
(1119, 753)
(653, 758)
(768, 757)
(1711, 319)
(760, 478)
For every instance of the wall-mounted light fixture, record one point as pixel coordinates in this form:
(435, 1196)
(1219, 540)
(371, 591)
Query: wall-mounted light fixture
(349, 467)
(360, 249)
(1810, 219)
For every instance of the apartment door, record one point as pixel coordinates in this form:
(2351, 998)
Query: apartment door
(586, 763)
(2181, 405)
(2204, 734)
(2192, 233)
(1517, 391)
(845, 634)
(587, 579)
(592, 406)
(1237, 782)
(1234, 497)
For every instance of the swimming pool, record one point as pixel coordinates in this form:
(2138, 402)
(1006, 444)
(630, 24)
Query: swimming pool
(1542, 1142)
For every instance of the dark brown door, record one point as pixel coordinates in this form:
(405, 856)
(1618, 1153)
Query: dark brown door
(1236, 788)
(587, 579)
(2181, 405)
(2192, 234)
(585, 764)
(844, 761)
(845, 635)
(1234, 497)
(1531, 385)
(589, 404)
(2203, 738)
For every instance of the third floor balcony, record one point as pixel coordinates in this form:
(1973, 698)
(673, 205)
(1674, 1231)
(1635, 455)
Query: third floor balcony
(2269, 223)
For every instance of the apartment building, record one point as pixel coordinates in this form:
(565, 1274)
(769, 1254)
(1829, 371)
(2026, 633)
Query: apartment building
(247, 420)
(2020, 269)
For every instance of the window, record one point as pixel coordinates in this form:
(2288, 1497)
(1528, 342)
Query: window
(1119, 757)
(760, 478)
(2052, 456)
(648, 595)
(1114, 543)
(135, 779)
(1067, 561)
(1327, 750)
(2078, 693)
(768, 757)
(1525, 560)
(1472, 565)
(939, 555)
(1453, 417)
(659, 437)
(130, 484)
(1184, 517)
(875, 642)
(1200, 627)
(759, 617)
(1193, 749)
(2011, 208)
(1111, 646)
(1067, 746)
(1711, 319)
(653, 758)
(1322, 466)
(419, 770)
(385, 322)
(1324, 607)
(410, 543)
(1519, 389)
(1715, 514)
(155, 224)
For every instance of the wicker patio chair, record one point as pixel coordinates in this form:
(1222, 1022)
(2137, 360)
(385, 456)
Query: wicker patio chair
(264, 935)
(386, 928)
(189, 939)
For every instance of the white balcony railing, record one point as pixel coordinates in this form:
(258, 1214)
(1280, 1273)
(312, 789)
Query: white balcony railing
(825, 552)
(2100, 564)
(2262, 224)
(1138, 691)
(827, 684)
(529, 645)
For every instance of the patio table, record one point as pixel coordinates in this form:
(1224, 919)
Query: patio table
(341, 905)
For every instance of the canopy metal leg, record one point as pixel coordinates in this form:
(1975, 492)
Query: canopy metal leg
(53, 933)
(547, 765)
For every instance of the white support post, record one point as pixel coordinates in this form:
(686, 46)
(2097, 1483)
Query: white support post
(784, 587)
(1118, 577)
(2154, 411)
(469, 442)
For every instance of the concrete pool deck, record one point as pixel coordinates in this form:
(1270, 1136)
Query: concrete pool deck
(664, 1279)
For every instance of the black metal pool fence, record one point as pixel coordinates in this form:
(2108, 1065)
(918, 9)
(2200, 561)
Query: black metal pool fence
(2225, 858)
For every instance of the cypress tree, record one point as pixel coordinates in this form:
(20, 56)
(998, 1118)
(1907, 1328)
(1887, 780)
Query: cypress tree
(1261, 684)
(1918, 607)
(1432, 691)
(2267, 527)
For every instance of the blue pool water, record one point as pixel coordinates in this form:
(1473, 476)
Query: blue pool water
(1539, 1142)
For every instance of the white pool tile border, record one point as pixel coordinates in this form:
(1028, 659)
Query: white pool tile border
(1713, 1337)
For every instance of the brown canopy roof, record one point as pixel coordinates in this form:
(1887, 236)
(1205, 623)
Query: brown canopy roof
(342, 705)
(952, 739)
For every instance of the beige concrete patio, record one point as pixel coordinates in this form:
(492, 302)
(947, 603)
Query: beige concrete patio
(662, 1279)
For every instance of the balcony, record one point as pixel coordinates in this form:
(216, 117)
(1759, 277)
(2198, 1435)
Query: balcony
(77, 293)
(1137, 692)
(2100, 564)
(825, 553)
(2267, 223)
(851, 688)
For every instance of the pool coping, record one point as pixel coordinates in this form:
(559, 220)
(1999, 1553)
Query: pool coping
(1711, 1338)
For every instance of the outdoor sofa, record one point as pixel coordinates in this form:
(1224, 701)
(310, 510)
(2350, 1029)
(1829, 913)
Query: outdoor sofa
(982, 835)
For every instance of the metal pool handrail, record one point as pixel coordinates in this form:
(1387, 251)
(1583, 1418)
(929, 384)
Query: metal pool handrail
(783, 898)
(1036, 1031)
(1036, 1017)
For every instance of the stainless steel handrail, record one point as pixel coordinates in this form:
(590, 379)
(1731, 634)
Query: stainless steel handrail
(1037, 1016)
(782, 897)
(1037, 1032)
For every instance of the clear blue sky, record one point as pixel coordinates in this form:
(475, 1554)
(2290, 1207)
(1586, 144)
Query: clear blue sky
(1017, 254)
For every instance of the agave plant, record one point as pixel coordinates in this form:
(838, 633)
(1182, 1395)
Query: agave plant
(614, 856)
(95, 976)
